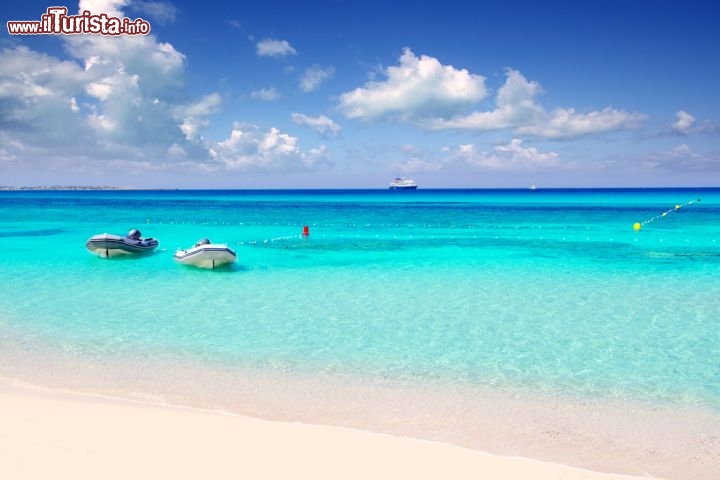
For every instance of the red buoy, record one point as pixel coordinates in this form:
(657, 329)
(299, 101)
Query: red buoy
(306, 231)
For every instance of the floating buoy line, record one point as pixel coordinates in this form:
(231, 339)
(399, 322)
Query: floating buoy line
(638, 225)
(305, 232)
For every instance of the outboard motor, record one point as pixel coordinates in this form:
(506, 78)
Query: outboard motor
(134, 234)
(202, 241)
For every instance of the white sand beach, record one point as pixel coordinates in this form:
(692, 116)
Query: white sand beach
(50, 434)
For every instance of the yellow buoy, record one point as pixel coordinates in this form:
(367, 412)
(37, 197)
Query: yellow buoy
(637, 226)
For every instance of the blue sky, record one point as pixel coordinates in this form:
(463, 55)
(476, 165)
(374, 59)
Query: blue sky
(347, 94)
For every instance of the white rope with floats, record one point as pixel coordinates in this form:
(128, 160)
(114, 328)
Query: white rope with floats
(305, 234)
(638, 225)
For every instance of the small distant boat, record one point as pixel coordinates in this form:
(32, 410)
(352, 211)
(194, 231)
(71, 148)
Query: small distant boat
(401, 183)
(206, 255)
(108, 245)
(533, 187)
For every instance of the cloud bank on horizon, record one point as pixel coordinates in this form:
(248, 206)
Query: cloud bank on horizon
(120, 108)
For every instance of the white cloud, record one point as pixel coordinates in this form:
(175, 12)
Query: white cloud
(266, 94)
(515, 105)
(120, 83)
(193, 117)
(678, 161)
(566, 123)
(206, 106)
(159, 65)
(274, 48)
(512, 156)
(176, 151)
(191, 127)
(119, 106)
(509, 157)
(36, 92)
(103, 124)
(415, 88)
(139, 54)
(682, 151)
(27, 76)
(314, 77)
(322, 124)
(526, 156)
(684, 122)
(683, 159)
(423, 92)
(113, 8)
(249, 148)
(517, 109)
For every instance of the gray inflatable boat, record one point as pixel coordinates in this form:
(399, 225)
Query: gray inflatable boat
(108, 245)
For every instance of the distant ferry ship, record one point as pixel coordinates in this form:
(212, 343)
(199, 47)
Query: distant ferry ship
(403, 184)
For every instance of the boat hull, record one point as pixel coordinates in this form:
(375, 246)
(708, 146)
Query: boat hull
(206, 256)
(107, 245)
(401, 183)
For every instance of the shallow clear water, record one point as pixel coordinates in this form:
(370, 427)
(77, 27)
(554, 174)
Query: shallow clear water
(532, 323)
(544, 291)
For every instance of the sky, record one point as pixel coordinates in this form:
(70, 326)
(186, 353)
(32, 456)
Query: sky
(350, 94)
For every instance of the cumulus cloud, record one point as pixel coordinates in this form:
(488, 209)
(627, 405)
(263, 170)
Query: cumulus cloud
(515, 105)
(322, 124)
(158, 65)
(118, 106)
(266, 94)
(423, 92)
(682, 151)
(33, 83)
(511, 156)
(195, 116)
(415, 88)
(517, 108)
(684, 122)
(113, 8)
(508, 157)
(274, 48)
(249, 148)
(314, 77)
(191, 127)
(206, 106)
(566, 123)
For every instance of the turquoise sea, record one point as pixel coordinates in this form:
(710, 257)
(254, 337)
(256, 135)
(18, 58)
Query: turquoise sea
(527, 293)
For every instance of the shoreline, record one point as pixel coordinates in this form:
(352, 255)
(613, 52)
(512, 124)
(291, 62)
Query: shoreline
(62, 434)
(621, 438)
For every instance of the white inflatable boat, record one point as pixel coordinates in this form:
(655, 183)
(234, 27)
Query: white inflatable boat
(206, 255)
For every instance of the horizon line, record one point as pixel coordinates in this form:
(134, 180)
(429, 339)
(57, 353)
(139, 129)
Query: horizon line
(126, 188)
